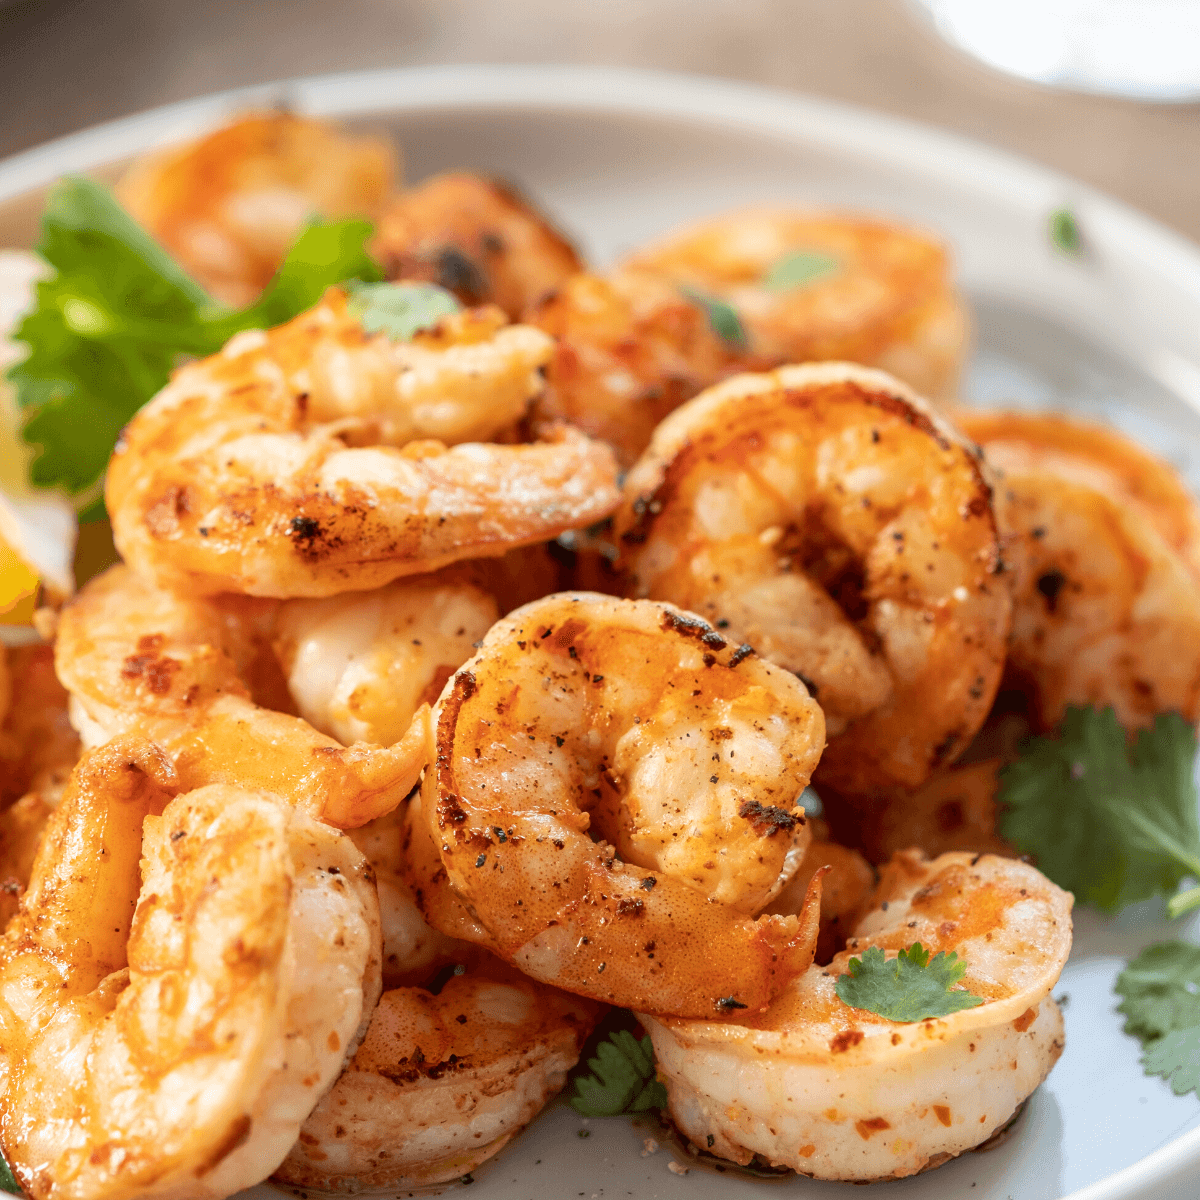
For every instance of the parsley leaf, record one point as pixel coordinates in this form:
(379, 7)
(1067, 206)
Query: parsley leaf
(1064, 232)
(401, 309)
(1112, 821)
(623, 1078)
(910, 987)
(799, 268)
(1161, 990)
(8, 1181)
(117, 315)
(722, 318)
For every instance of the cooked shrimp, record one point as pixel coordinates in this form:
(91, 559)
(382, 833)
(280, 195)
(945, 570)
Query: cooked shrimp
(139, 658)
(476, 237)
(828, 517)
(857, 290)
(1105, 545)
(629, 349)
(21, 828)
(168, 1037)
(229, 204)
(441, 1082)
(840, 1093)
(638, 722)
(238, 476)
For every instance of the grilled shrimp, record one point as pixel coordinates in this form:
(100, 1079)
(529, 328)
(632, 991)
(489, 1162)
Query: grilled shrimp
(298, 462)
(841, 1093)
(441, 1082)
(820, 286)
(476, 237)
(229, 204)
(639, 723)
(828, 517)
(139, 658)
(1105, 544)
(168, 1036)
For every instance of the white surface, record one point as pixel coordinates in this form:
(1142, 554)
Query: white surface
(622, 155)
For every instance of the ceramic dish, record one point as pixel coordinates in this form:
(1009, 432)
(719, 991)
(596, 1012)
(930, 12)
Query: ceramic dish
(619, 156)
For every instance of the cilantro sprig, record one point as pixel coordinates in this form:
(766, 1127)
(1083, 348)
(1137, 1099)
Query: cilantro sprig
(908, 988)
(118, 315)
(622, 1079)
(1112, 820)
(8, 1181)
(1161, 990)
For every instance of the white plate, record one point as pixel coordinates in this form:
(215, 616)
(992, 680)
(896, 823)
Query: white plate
(621, 156)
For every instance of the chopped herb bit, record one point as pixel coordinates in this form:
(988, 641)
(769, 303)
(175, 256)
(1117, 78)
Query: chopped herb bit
(8, 1181)
(1111, 820)
(722, 318)
(910, 987)
(622, 1079)
(1064, 231)
(401, 309)
(799, 268)
(1161, 990)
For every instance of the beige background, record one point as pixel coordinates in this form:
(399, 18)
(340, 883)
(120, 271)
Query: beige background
(66, 64)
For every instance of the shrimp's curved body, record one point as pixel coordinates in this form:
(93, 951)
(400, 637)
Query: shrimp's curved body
(140, 658)
(827, 516)
(858, 290)
(229, 204)
(441, 1082)
(685, 754)
(167, 1036)
(476, 237)
(1105, 545)
(841, 1093)
(300, 461)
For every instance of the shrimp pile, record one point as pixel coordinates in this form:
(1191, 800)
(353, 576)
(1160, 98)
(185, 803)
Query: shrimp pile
(459, 684)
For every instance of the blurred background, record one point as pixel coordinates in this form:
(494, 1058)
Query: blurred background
(68, 64)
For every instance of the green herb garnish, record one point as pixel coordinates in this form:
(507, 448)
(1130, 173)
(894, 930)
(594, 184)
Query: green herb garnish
(118, 315)
(1161, 990)
(910, 987)
(1112, 821)
(722, 318)
(401, 309)
(622, 1078)
(799, 268)
(8, 1181)
(1064, 232)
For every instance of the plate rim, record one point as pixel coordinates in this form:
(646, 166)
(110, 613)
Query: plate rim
(636, 92)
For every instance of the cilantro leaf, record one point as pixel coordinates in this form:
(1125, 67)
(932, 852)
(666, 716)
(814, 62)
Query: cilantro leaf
(401, 309)
(1064, 232)
(1161, 990)
(622, 1078)
(910, 987)
(799, 268)
(8, 1181)
(117, 315)
(1112, 821)
(722, 318)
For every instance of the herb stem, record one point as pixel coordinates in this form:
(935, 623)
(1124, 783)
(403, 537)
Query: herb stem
(1183, 902)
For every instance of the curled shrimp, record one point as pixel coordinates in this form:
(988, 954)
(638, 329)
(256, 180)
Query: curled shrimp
(229, 204)
(827, 516)
(822, 286)
(841, 1093)
(140, 658)
(286, 464)
(583, 714)
(203, 1008)
(1105, 544)
(476, 237)
(442, 1081)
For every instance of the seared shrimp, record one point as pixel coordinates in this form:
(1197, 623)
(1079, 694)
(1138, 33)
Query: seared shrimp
(38, 747)
(441, 1082)
(1105, 545)
(684, 753)
(275, 467)
(168, 1037)
(819, 286)
(137, 657)
(476, 237)
(828, 517)
(229, 205)
(840, 1093)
